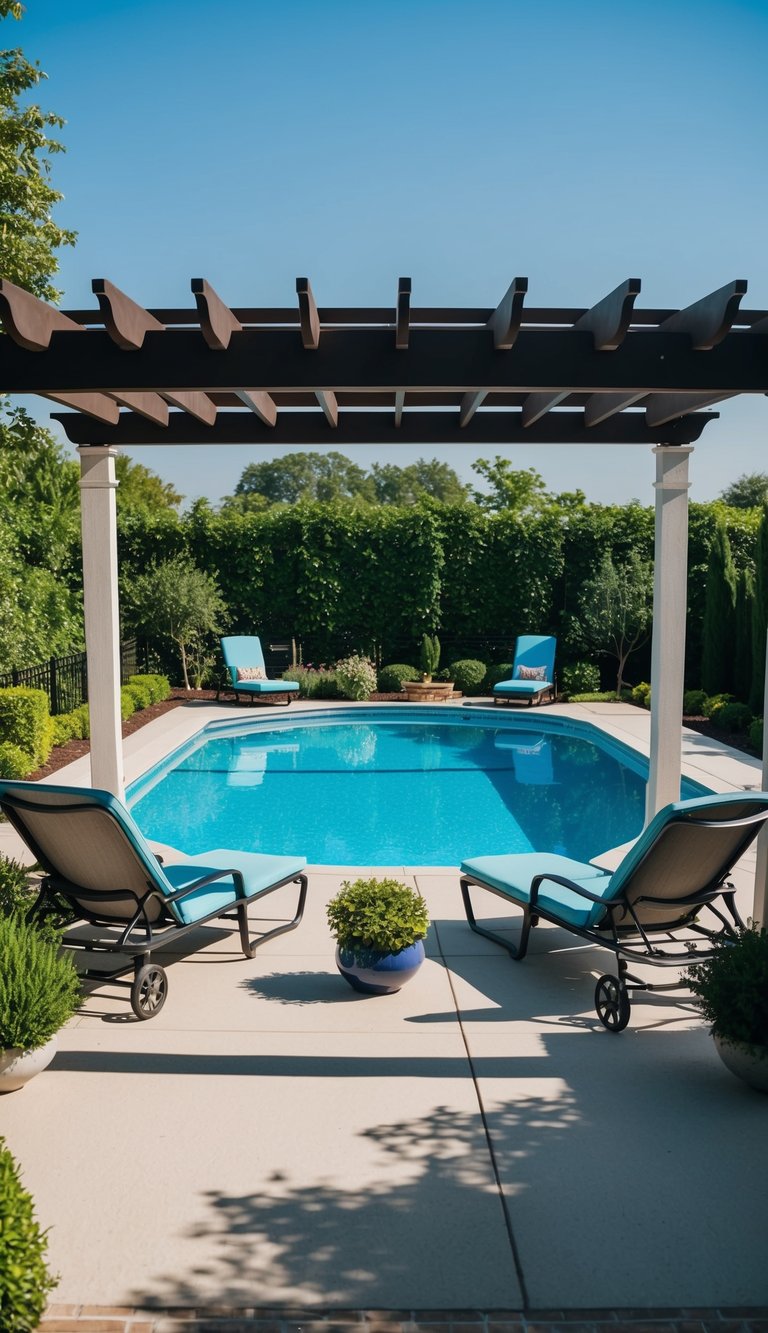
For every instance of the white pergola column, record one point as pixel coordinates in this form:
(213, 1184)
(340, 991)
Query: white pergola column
(670, 586)
(102, 614)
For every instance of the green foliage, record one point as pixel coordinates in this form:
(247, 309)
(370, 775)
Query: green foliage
(25, 1281)
(14, 886)
(430, 654)
(15, 763)
(713, 703)
(719, 625)
(759, 613)
(180, 604)
(307, 477)
(641, 694)
(82, 719)
(407, 485)
(355, 677)
(314, 682)
(520, 490)
(127, 703)
(498, 671)
(594, 697)
(140, 692)
(467, 674)
(39, 987)
(66, 727)
(27, 198)
(748, 491)
(615, 609)
(141, 488)
(579, 678)
(380, 914)
(733, 717)
(25, 721)
(732, 987)
(742, 634)
(158, 688)
(756, 734)
(390, 678)
(693, 703)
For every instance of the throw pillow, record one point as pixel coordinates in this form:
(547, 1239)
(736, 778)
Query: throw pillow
(251, 673)
(531, 673)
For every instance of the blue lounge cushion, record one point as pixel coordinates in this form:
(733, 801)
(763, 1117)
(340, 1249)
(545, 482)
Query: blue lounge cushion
(265, 686)
(512, 875)
(523, 687)
(259, 871)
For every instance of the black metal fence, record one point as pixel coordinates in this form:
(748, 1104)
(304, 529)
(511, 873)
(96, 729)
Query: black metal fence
(65, 679)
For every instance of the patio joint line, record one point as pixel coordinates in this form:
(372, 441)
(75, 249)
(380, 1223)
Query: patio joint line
(486, 1130)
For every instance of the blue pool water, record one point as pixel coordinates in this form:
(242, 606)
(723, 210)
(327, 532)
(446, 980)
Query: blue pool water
(413, 788)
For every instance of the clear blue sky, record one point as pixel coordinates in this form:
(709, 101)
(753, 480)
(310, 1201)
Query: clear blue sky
(460, 142)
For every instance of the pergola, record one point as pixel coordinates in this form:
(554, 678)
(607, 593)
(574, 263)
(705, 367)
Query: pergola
(401, 374)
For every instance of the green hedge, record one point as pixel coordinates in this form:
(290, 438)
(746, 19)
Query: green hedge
(157, 688)
(25, 721)
(25, 1281)
(15, 763)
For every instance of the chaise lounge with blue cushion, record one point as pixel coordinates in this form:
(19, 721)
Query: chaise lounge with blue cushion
(244, 660)
(533, 671)
(100, 869)
(648, 909)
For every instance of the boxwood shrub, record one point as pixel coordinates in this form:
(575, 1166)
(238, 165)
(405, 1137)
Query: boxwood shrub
(25, 1281)
(391, 678)
(498, 671)
(693, 703)
(580, 678)
(159, 687)
(733, 717)
(467, 674)
(15, 763)
(756, 734)
(140, 693)
(127, 703)
(25, 721)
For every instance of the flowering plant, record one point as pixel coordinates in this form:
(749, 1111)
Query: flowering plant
(356, 677)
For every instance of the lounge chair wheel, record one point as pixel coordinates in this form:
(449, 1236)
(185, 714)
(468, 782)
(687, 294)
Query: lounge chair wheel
(149, 991)
(612, 1003)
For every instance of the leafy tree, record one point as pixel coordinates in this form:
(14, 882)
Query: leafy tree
(306, 476)
(750, 490)
(719, 615)
(178, 603)
(30, 237)
(742, 653)
(759, 615)
(615, 610)
(141, 488)
(521, 490)
(405, 485)
(39, 492)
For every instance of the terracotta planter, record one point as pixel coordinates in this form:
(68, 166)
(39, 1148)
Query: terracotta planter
(17, 1067)
(747, 1062)
(427, 691)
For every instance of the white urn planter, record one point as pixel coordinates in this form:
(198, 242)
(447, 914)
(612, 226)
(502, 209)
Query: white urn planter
(747, 1062)
(17, 1067)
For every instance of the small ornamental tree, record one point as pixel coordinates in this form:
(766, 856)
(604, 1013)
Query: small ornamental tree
(719, 615)
(180, 604)
(615, 610)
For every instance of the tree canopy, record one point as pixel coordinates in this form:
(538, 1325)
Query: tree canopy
(303, 476)
(141, 488)
(30, 237)
(521, 490)
(748, 491)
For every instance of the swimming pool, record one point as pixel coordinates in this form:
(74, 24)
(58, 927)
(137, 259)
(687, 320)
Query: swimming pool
(404, 786)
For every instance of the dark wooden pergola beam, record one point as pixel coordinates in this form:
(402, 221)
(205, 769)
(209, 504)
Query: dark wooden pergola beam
(149, 405)
(99, 406)
(460, 360)
(217, 321)
(260, 403)
(126, 322)
(198, 405)
(709, 320)
(309, 319)
(29, 321)
(379, 428)
(403, 314)
(662, 408)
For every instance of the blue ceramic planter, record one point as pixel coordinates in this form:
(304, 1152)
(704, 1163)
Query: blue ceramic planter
(379, 973)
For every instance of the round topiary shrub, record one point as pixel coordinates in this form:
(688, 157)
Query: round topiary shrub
(390, 678)
(15, 763)
(467, 675)
(756, 734)
(24, 1277)
(65, 728)
(498, 671)
(733, 717)
(714, 703)
(580, 678)
(641, 694)
(356, 677)
(140, 692)
(693, 703)
(127, 703)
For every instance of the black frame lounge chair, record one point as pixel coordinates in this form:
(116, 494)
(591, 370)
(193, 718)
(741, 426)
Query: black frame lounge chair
(100, 869)
(648, 909)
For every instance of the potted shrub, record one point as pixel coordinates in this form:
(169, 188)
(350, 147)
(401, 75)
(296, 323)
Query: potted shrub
(39, 992)
(428, 690)
(378, 925)
(732, 987)
(25, 1281)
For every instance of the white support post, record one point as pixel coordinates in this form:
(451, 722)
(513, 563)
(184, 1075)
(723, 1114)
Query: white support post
(670, 584)
(760, 905)
(102, 614)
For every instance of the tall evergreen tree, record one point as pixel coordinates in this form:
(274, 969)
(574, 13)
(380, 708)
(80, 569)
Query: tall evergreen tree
(719, 615)
(759, 615)
(742, 653)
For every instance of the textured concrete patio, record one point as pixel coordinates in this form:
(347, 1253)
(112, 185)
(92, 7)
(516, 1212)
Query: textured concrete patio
(475, 1142)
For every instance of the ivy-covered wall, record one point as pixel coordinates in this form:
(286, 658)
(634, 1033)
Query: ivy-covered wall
(344, 577)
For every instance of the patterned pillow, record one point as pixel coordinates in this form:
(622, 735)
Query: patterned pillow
(251, 673)
(531, 673)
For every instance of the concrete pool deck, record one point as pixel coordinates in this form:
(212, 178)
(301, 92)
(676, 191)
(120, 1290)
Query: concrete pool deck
(272, 1142)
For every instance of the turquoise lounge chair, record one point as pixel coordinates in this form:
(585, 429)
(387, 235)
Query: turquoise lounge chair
(534, 653)
(98, 865)
(677, 869)
(244, 660)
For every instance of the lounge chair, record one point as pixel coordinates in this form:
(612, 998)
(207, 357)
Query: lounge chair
(98, 866)
(244, 660)
(533, 671)
(647, 910)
